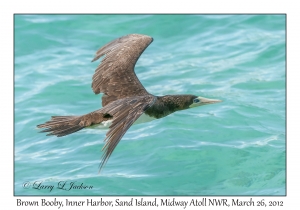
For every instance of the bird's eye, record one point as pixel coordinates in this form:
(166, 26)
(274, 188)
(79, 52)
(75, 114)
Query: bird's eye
(196, 100)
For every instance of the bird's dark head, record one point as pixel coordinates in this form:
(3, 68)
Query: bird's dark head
(195, 101)
(181, 102)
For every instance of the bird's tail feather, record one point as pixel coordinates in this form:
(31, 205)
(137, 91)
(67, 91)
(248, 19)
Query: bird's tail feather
(62, 125)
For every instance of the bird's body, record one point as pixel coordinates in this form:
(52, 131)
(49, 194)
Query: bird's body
(125, 101)
(144, 118)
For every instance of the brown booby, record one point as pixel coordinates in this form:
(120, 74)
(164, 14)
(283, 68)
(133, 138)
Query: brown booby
(124, 98)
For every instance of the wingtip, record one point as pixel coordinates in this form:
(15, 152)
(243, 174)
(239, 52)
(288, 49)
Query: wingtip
(99, 171)
(97, 56)
(100, 167)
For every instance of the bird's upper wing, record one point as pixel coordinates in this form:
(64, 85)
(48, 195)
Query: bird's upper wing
(115, 75)
(125, 112)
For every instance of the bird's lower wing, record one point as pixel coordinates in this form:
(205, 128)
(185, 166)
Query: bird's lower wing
(125, 112)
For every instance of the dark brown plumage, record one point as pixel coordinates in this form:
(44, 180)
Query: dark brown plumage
(168, 104)
(124, 99)
(116, 70)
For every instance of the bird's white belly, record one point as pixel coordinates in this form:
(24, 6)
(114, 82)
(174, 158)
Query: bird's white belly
(142, 119)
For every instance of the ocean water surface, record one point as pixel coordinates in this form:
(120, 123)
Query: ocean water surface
(237, 147)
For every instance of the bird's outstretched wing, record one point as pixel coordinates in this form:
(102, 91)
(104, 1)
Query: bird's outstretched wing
(115, 75)
(125, 112)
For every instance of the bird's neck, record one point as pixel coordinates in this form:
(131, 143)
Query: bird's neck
(173, 102)
(165, 105)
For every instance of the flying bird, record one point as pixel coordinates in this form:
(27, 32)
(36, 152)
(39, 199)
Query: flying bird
(124, 99)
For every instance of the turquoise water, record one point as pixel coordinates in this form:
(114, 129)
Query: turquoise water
(236, 147)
